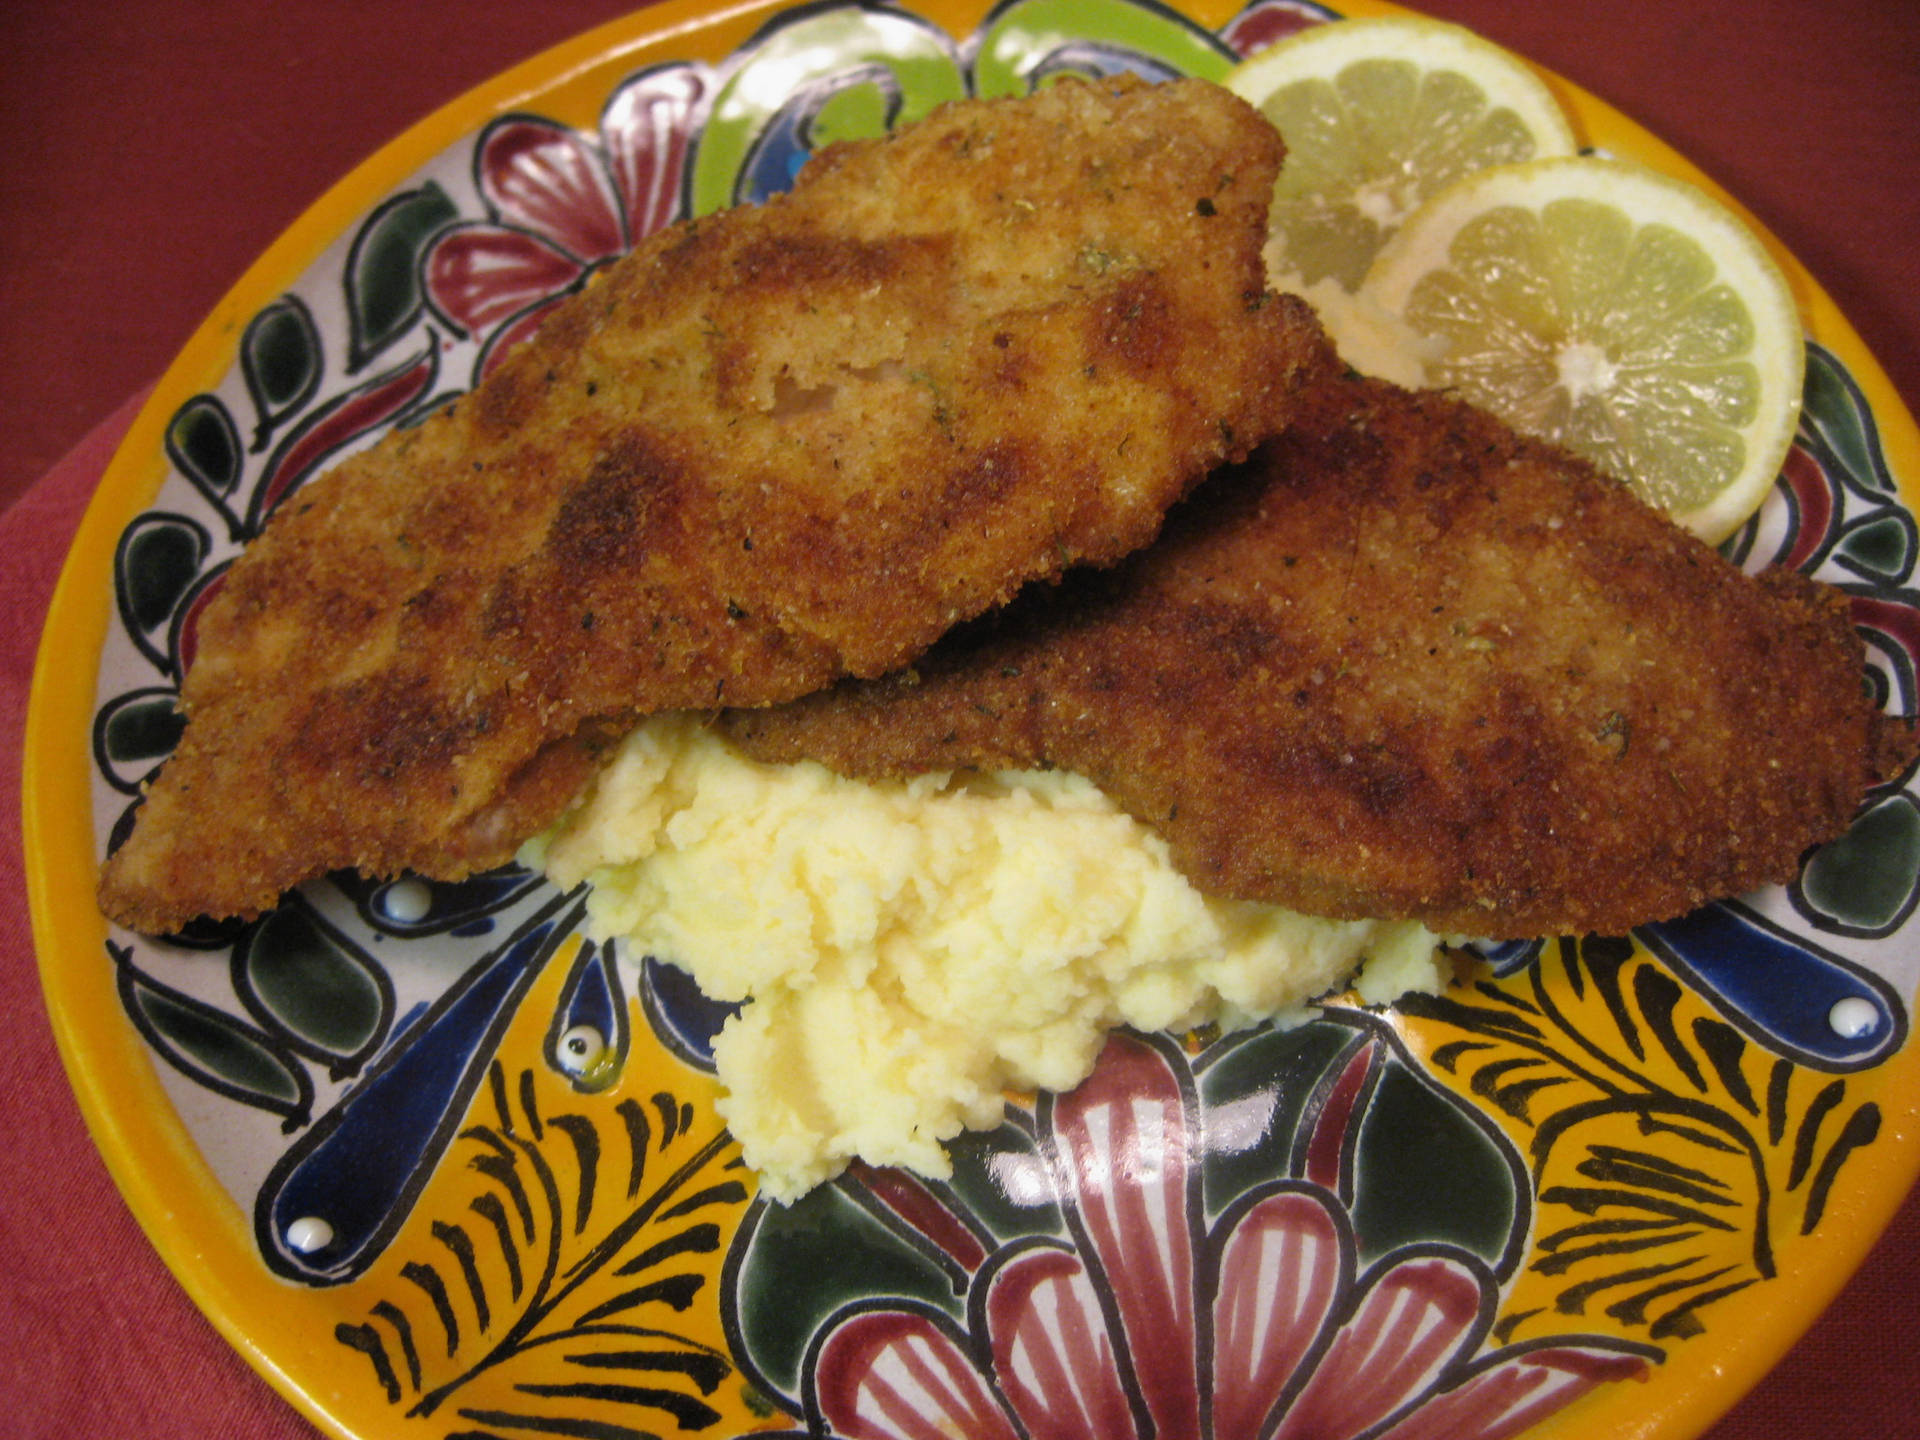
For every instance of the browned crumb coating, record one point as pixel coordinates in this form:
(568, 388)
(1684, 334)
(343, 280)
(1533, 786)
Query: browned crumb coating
(772, 447)
(1408, 664)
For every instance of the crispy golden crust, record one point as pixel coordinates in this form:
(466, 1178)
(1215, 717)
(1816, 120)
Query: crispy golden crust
(1405, 663)
(770, 448)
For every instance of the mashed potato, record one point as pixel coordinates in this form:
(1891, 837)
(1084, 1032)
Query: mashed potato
(910, 951)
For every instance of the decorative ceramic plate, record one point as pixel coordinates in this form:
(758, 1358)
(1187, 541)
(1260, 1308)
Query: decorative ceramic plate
(440, 1167)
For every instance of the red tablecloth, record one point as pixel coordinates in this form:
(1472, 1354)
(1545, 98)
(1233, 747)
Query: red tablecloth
(153, 149)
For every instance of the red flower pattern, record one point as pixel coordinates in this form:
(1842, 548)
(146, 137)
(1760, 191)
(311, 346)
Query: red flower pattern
(563, 203)
(1110, 1337)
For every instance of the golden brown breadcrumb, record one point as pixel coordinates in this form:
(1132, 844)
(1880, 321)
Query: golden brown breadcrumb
(772, 447)
(1407, 664)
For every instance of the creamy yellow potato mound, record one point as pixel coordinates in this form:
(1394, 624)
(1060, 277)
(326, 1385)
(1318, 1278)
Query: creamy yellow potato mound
(911, 951)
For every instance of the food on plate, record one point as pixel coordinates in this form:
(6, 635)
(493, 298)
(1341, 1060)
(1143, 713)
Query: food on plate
(1379, 115)
(1406, 663)
(771, 447)
(910, 950)
(1621, 312)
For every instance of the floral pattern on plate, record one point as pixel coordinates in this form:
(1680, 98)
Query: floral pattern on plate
(1147, 1276)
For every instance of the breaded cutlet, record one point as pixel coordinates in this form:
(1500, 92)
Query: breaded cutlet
(772, 447)
(1407, 664)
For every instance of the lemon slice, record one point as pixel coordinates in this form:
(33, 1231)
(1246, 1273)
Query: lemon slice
(1378, 115)
(1617, 310)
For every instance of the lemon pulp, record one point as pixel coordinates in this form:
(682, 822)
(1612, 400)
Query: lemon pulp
(1378, 115)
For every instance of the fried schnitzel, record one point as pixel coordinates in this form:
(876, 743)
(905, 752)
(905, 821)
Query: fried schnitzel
(770, 448)
(1408, 664)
